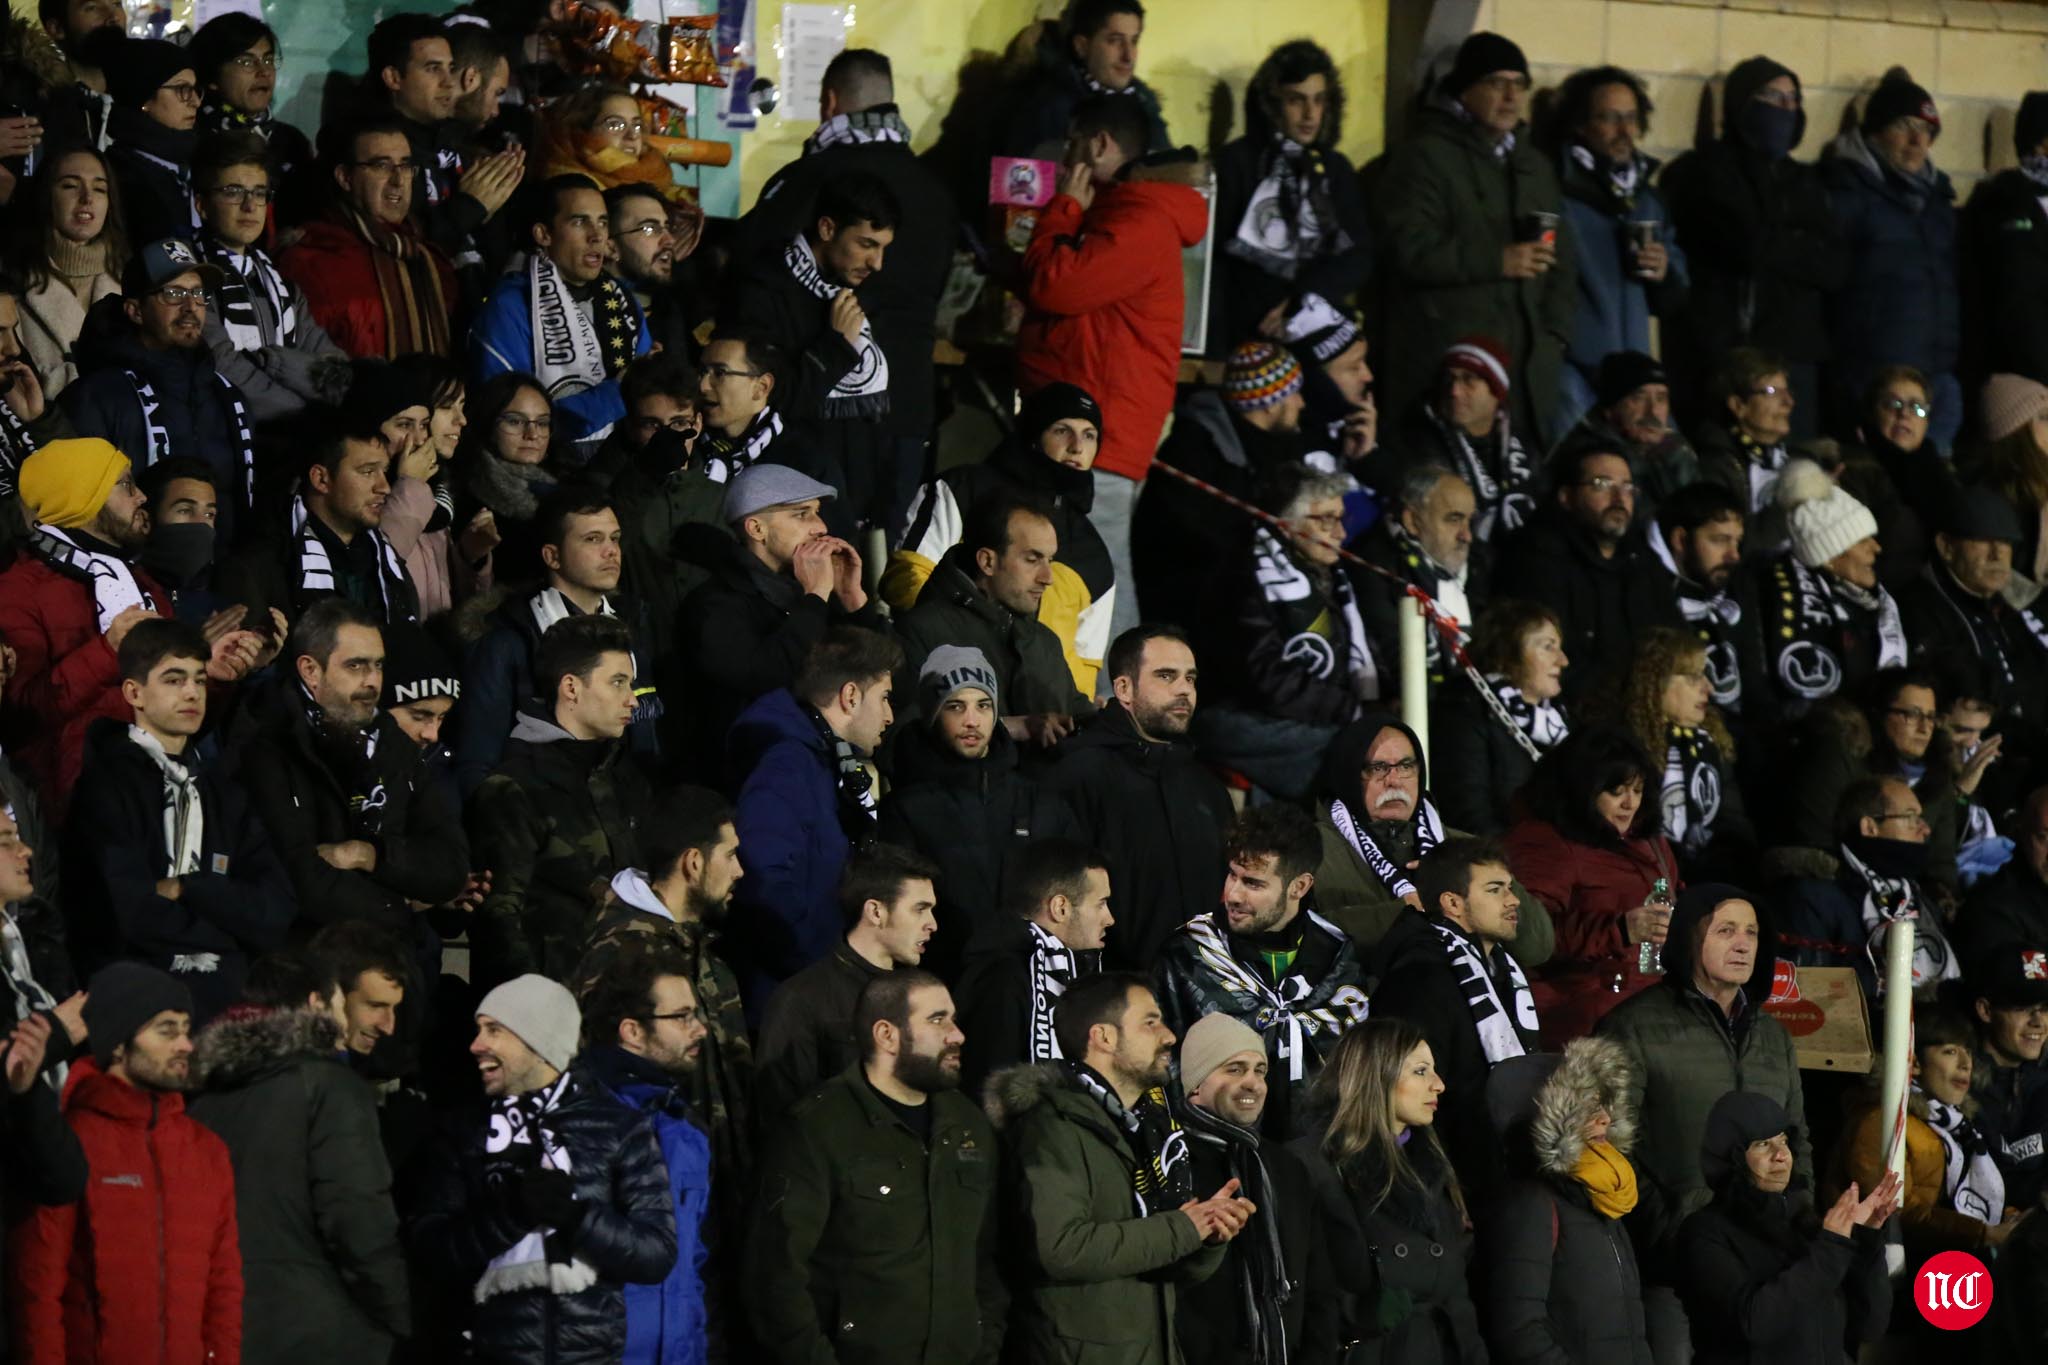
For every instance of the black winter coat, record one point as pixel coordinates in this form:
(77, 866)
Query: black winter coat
(1381, 600)
(997, 1010)
(1158, 815)
(628, 1234)
(806, 1034)
(1031, 670)
(2007, 230)
(1290, 658)
(2007, 909)
(153, 164)
(1478, 763)
(1245, 292)
(1554, 1259)
(1901, 304)
(236, 907)
(1603, 605)
(974, 818)
(1944, 623)
(323, 1274)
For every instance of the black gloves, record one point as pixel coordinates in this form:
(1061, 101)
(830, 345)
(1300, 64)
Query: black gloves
(547, 1197)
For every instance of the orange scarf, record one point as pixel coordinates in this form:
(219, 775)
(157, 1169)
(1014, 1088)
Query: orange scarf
(1608, 1177)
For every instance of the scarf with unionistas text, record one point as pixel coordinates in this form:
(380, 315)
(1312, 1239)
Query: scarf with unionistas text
(864, 390)
(1162, 1177)
(1289, 220)
(1051, 968)
(572, 351)
(160, 436)
(1970, 1180)
(1504, 1032)
(1429, 832)
(880, 124)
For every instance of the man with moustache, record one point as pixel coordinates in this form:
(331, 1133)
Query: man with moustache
(1697, 536)
(148, 380)
(844, 1264)
(1273, 1299)
(1576, 557)
(70, 599)
(1631, 415)
(643, 1040)
(147, 1266)
(1265, 958)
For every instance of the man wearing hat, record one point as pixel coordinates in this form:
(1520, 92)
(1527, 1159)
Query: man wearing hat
(2007, 244)
(1896, 211)
(150, 385)
(553, 1201)
(1631, 416)
(1231, 438)
(1475, 240)
(1048, 457)
(1467, 426)
(783, 584)
(1274, 1298)
(153, 95)
(71, 598)
(2007, 990)
(1957, 610)
(147, 1266)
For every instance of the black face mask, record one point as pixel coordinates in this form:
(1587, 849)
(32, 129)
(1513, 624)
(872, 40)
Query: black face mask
(178, 551)
(99, 49)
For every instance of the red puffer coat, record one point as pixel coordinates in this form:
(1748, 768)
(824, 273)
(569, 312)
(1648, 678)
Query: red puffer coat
(147, 1268)
(331, 263)
(1587, 889)
(1106, 299)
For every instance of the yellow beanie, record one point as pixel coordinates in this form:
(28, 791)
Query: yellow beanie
(66, 483)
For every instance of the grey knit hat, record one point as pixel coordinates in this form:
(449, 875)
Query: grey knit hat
(542, 1012)
(950, 670)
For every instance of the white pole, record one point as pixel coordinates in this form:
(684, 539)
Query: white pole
(1415, 671)
(1898, 1034)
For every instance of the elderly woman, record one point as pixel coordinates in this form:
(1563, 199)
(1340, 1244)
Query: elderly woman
(1838, 626)
(1486, 747)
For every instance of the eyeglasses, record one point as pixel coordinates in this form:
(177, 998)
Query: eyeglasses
(1767, 391)
(1911, 817)
(697, 1015)
(1505, 82)
(1323, 519)
(650, 228)
(1899, 405)
(384, 165)
(238, 195)
(178, 293)
(249, 61)
(1616, 118)
(1406, 767)
(1912, 715)
(1600, 483)
(514, 421)
(1783, 99)
(187, 91)
(615, 124)
(727, 372)
(681, 423)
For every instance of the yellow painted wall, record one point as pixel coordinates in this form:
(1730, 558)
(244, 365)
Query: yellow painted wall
(1188, 46)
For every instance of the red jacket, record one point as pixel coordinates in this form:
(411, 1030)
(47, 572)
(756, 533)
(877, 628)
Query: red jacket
(1105, 295)
(1587, 890)
(333, 266)
(65, 677)
(147, 1268)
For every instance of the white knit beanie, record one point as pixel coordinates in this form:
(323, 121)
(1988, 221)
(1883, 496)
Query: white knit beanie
(541, 1012)
(1821, 519)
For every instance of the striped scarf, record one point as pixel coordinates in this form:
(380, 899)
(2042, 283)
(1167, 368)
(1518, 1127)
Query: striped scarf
(244, 275)
(415, 311)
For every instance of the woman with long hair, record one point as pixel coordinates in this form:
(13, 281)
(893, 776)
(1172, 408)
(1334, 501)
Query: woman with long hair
(419, 519)
(600, 130)
(2014, 464)
(1591, 847)
(506, 461)
(1484, 753)
(70, 244)
(1399, 1236)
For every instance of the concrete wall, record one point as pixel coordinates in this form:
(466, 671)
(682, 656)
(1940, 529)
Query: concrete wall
(1976, 57)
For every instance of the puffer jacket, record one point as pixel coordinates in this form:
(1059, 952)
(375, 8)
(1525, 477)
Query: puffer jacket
(974, 818)
(1902, 302)
(1559, 1277)
(557, 820)
(1031, 670)
(628, 1234)
(1094, 1283)
(1104, 300)
(324, 1272)
(147, 1268)
(1929, 1220)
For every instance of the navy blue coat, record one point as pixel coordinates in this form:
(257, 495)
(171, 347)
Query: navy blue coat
(1902, 302)
(1614, 306)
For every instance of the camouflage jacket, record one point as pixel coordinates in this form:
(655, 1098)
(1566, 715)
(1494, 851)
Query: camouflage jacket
(556, 819)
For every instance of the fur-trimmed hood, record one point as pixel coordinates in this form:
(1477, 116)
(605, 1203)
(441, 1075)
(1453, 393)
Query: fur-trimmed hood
(1540, 1104)
(245, 1042)
(1017, 1090)
(24, 45)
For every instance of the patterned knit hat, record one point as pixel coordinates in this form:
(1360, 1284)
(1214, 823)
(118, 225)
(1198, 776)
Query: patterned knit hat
(1260, 375)
(1484, 357)
(2010, 402)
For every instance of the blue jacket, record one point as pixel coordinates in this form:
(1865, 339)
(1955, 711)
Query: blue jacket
(1614, 307)
(665, 1323)
(790, 839)
(1902, 303)
(501, 341)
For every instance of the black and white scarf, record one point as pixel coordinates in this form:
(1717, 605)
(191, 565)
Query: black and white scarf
(316, 567)
(1982, 622)
(1320, 625)
(1541, 724)
(1500, 476)
(864, 390)
(1761, 466)
(1620, 179)
(724, 456)
(880, 124)
(1814, 611)
(1162, 1177)
(1051, 968)
(184, 812)
(1440, 583)
(1290, 219)
(1894, 896)
(1970, 1180)
(160, 436)
(518, 1121)
(1297, 1011)
(855, 783)
(16, 445)
(1429, 832)
(571, 350)
(113, 583)
(1263, 1286)
(1713, 617)
(549, 606)
(256, 306)
(1691, 793)
(1503, 1032)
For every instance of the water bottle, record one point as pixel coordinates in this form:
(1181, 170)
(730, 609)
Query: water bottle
(1650, 956)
